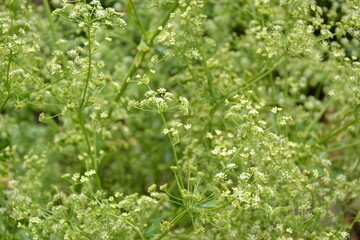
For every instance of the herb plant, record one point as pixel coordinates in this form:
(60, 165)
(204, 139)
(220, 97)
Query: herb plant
(179, 119)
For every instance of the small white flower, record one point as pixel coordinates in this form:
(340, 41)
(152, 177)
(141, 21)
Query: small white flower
(84, 179)
(90, 172)
(253, 112)
(276, 109)
(244, 176)
(187, 126)
(282, 122)
(161, 90)
(209, 135)
(220, 176)
(103, 115)
(231, 166)
(259, 129)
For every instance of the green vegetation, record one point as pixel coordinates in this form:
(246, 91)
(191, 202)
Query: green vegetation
(179, 119)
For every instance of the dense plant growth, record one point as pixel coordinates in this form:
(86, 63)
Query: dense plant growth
(179, 119)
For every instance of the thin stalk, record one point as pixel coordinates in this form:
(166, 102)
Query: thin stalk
(88, 76)
(4, 102)
(260, 75)
(209, 123)
(336, 132)
(54, 33)
(83, 128)
(137, 230)
(138, 20)
(272, 88)
(317, 118)
(173, 223)
(7, 83)
(160, 202)
(217, 208)
(37, 79)
(140, 56)
(356, 219)
(343, 147)
(208, 74)
(177, 178)
(40, 88)
(93, 162)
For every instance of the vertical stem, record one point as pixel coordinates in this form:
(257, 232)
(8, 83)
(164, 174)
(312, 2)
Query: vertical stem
(4, 102)
(272, 88)
(93, 162)
(177, 178)
(88, 76)
(7, 83)
(141, 55)
(54, 34)
(208, 74)
(318, 117)
(138, 20)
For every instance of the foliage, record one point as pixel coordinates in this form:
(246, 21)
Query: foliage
(179, 119)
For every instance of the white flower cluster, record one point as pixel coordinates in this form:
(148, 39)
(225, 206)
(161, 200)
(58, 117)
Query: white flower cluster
(87, 14)
(160, 101)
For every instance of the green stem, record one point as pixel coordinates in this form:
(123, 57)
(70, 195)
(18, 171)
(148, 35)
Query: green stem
(45, 86)
(88, 76)
(317, 118)
(178, 178)
(208, 125)
(208, 74)
(219, 207)
(356, 219)
(260, 75)
(160, 202)
(137, 230)
(37, 79)
(4, 102)
(334, 133)
(140, 56)
(54, 34)
(7, 83)
(93, 162)
(343, 147)
(138, 20)
(118, 217)
(177, 219)
(272, 88)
